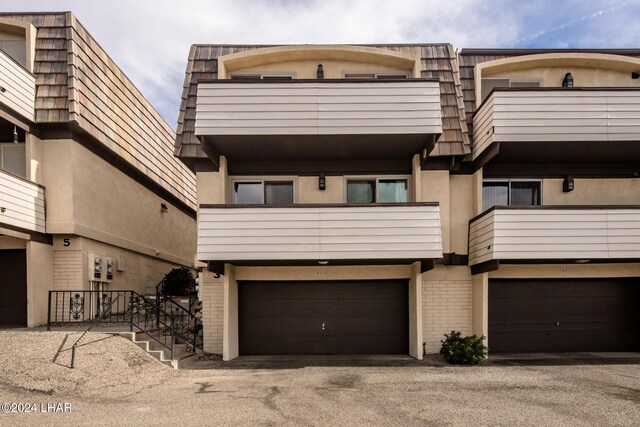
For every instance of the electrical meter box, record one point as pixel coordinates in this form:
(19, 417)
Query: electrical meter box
(101, 268)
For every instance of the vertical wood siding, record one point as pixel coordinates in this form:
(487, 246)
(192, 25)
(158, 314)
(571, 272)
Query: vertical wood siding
(563, 115)
(318, 108)
(22, 202)
(318, 233)
(508, 234)
(19, 87)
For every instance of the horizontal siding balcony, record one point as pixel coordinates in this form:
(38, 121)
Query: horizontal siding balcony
(318, 119)
(22, 207)
(17, 87)
(555, 234)
(559, 124)
(336, 234)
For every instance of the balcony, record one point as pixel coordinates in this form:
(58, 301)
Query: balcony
(335, 234)
(559, 125)
(317, 120)
(17, 87)
(21, 205)
(555, 234)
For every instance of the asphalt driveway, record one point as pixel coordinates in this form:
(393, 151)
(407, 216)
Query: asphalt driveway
(114, 385)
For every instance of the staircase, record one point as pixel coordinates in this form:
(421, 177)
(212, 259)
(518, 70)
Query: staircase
(167, 330)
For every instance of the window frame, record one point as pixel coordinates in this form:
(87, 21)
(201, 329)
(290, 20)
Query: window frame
(231, 196)
(540, 82)
(374, 76)
(509, 181)
(13, 145)
(377, 179)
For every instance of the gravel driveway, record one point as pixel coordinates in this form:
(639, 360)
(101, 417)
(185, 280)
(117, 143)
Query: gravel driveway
(115, 383)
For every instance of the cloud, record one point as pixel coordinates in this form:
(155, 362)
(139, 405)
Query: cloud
(150, 39)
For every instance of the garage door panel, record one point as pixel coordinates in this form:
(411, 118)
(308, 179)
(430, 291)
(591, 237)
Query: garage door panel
(564, 315)
(13, 287)
(356, 317)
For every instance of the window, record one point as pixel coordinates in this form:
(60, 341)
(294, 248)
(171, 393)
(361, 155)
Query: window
(379, 76)
(261, 77)
(263, 192)
(16, 49)
(511, 193)
(489, 84)
(380, 190)
(13, 159)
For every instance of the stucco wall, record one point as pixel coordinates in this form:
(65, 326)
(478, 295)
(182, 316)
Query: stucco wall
(592, 192)
(87, 196)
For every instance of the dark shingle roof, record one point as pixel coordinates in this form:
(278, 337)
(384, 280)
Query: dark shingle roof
(438, 61)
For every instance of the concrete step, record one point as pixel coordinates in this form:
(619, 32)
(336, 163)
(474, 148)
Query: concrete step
(158, 351)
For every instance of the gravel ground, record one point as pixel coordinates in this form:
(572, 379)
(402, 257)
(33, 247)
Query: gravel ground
(116, 383)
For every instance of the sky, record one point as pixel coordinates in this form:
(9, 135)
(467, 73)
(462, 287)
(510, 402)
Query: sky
(150, 39)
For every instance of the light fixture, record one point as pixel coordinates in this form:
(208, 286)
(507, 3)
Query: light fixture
(320, 72)
(567, 184)
(322, 182)
(323, 262)
(568, 80)
(635, 75)
(15, 135)
(164, 208)
(582, 261)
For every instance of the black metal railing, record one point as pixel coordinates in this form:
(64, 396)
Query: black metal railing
(163, 322)
(188, 313)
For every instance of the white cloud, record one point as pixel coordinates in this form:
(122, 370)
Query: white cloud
(150, 39)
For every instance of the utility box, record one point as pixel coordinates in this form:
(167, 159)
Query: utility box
(101, 268)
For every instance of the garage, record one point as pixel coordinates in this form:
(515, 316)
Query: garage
(323, 318)
(564, 315)
(13, 288)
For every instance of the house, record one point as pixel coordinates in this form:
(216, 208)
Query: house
(87, 175)
(370, 199)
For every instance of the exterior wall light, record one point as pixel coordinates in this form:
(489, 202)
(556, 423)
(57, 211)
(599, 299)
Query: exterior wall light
(568, 80)
(15, 135)
(322, 182)
(567, 184)
(164, 208)
(635, 75)
(320, 72)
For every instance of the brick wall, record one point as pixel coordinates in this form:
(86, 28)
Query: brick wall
(68, 272)
(446, 306)
(212, 297)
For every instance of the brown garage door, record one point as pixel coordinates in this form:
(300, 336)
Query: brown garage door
(13, 288)
(297, 318)
(564, 315)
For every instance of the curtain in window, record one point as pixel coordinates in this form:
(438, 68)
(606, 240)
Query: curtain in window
(278, 193)
(525, 193)
(392, 191)
(495, 194)
(361, 191)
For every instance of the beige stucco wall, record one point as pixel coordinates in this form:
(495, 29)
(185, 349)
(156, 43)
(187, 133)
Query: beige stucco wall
(307, 69)
(20, 30)
(86, 196)
(71, 266)
(7, 242)
(446, 304)
(435, 188)
(582, 76)
(307, 190)
(592, 192)
(39, 275)
(565, 271)
(461, 209)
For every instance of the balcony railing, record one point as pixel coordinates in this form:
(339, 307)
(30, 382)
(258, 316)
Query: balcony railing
(547, 233)
(22, 205)
(316, 119)
(17, 87)
(550, 118)
(357, 233)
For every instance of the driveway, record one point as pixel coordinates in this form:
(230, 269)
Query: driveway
(114, 384)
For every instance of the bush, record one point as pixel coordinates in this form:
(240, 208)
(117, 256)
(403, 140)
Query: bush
(459, 350)
(179, 282)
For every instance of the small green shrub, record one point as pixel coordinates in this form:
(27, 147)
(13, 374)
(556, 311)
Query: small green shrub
(459, 350)
(179, 282)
